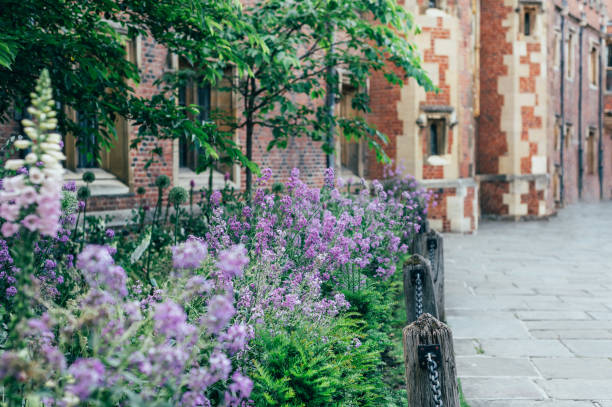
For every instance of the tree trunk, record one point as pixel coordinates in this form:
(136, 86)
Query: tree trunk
(249, 155)
(251, 90)
(427, 330)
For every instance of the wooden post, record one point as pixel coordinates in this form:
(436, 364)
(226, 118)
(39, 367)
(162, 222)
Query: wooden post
(418, 264)
(436, 242)
(427, 330)
(419, 240)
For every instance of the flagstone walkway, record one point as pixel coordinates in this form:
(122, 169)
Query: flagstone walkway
(530, 306)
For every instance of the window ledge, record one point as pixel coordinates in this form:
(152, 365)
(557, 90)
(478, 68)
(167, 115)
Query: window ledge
(105, 183)
(437, 160)
(201, 180)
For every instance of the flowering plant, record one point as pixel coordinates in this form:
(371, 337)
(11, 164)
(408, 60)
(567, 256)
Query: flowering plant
(295, 289)
(108, 344)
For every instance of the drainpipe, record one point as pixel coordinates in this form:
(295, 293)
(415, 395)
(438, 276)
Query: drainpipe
(580, 91)
(330, 100)
(600, 167)
(564, 13)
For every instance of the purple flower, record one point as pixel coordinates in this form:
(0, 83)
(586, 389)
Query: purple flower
(240, 389)
(88, 376)
(110, 233)
(11, 291)
(329, 178)
(220, 312)
(247, 212)
(94, 259)
(215, 198)
(50, 264)
(231, 261)
(100, 271)
(220, 367)
(189, 255)
(170, 318)
(70, 186)
(266, 174)
(192, 183)
(194, 399)
(236, 338)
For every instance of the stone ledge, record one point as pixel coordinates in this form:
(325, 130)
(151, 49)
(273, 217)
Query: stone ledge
(449, 183)
(106, 184)
(511, 177)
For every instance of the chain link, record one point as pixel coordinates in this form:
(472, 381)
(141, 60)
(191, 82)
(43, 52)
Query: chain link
(432, 252)
(434, 381)
(418, 295)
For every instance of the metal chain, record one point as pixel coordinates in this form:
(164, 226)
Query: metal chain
(434, 381)
(432, 252)
(418, 295)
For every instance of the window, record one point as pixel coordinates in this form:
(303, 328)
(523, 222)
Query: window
(199, 95)
(557, 50)
(569, 134)
(115, 160)
(436, 137)
(528, 21)
(213, 103)
(609, 69)
(594, 71)
(433, 3)
(351, 152)
(590, 152)
(570, 55)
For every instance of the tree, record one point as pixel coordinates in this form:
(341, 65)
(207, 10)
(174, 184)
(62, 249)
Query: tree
(291, 74)
(82, 43)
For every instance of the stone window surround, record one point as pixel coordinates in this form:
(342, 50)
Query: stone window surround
(535, 8)
(594, 75)
(106, 183)
(570, 58)
(437, 112)
(183, 176)
(344, 82)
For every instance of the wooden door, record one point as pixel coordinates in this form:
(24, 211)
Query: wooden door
(116, 159)
(350, 150)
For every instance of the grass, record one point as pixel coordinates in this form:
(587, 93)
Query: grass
(462, 401)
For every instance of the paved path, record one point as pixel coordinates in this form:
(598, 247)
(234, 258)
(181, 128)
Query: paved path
(530, 305)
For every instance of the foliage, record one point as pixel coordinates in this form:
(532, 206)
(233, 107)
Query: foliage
(310, 367)
(307, 45)
(83, 45)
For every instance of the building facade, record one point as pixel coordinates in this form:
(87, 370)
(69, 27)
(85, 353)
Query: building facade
(521, 124)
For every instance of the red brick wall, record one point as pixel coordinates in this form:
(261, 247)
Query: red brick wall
(384, 116)
(491, 141)
(491, 197)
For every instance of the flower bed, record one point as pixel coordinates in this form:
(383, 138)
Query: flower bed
(288, 297)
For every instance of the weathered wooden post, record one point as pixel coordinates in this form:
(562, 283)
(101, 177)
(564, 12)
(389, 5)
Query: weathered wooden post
(418, 245)
(428, 349)
(419, 289)
(434, 252)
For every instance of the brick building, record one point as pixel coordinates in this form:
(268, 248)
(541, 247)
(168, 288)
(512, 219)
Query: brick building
(521, 125)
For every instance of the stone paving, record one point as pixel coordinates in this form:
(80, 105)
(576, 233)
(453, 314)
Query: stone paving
(530, 306)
